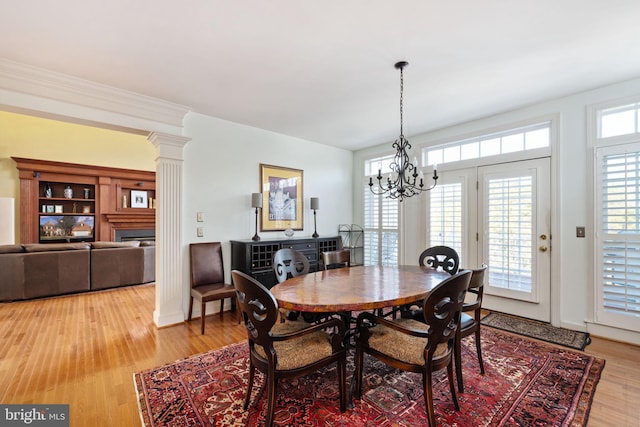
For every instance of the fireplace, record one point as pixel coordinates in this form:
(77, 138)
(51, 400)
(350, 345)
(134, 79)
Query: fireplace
(123, 235)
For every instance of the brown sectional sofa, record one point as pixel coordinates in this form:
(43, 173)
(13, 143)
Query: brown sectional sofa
(41, 270)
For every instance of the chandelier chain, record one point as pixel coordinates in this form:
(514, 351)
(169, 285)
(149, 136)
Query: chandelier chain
(401, 100)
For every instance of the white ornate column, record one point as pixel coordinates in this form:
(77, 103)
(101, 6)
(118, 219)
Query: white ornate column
(169, 277)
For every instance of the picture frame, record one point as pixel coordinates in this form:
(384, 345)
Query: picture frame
(58, 209)
(282, 198)
(50, 208)
(139, 199)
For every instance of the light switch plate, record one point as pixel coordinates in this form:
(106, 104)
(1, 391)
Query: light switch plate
(580, 232)
(200, 231)
(200, 216)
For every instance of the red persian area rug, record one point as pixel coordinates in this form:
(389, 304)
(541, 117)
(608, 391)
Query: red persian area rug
(526, 382)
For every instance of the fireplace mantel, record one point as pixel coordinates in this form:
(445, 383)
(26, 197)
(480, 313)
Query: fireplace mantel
(130, 221)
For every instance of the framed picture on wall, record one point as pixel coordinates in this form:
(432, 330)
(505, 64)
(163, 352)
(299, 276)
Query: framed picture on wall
(282, 198)
(139, 199)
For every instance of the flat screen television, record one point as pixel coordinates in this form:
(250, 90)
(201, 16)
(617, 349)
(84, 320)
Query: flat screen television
(66, 228)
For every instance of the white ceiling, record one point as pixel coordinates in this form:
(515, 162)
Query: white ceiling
(323, 70)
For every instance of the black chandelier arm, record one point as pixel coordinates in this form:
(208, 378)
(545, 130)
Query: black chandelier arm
(393, 190)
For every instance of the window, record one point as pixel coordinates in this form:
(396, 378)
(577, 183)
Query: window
(510, 141)
(617, 213)
(618, 120)
(381, 219)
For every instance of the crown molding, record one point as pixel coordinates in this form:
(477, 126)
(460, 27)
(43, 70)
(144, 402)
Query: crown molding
(39, 82)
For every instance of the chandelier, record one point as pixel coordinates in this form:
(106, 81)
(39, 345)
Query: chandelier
(408, 181)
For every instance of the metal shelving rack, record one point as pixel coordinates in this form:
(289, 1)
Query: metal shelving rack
(353, 239)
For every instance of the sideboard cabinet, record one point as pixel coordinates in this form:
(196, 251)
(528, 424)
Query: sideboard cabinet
(255, 258)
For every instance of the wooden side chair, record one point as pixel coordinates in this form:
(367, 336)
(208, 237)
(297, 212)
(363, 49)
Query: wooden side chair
(336, 259)
(284, 350)
(470, 323)
(410, 345)
(207, 278)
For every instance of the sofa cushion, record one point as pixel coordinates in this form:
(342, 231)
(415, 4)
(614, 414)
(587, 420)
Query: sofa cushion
(10, 249)
(127, 244)
(49, 247)
(55, 272)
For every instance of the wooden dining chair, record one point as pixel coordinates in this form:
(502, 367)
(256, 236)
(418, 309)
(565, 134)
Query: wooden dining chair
(470, 323)
(289, 263)
(442, 257)
(410, 345)
(336, 259)
(207, 278)
(437, 257)
(285, 350)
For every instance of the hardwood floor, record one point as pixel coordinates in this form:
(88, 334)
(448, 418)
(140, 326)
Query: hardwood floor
(83, 350)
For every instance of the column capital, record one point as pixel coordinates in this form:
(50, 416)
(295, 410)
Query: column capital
(169, 146)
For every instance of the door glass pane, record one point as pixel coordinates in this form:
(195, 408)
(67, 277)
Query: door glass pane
(509, 228)
(445, 216)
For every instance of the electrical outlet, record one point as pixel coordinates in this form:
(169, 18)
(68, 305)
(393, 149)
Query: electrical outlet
(580, 232)
(200, 231)
(200, 216)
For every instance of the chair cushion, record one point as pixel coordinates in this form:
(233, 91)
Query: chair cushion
(301, 351)
(466, 321)
(401, 346)
(213, 292)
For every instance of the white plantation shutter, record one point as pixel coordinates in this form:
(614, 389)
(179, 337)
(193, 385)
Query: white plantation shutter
(509, 228)
(445, 216)
(618, 208)
(380, 229)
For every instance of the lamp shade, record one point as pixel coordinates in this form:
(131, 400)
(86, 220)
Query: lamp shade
(315, 203)
(256, 200)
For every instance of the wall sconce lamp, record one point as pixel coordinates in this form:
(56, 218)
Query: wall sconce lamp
(256, 202)
(315, 205)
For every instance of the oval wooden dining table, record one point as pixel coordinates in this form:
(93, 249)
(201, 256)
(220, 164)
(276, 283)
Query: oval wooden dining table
(357, 288)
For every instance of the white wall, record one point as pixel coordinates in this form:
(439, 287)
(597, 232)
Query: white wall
(572, 275)
(222, 169)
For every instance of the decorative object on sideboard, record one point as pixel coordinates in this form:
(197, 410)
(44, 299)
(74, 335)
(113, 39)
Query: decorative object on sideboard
(256, 202)
(283, 199)
(68, 192)
(405, 184)
(315, 205)
(289, 232)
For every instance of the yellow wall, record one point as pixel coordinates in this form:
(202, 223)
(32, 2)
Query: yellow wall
(38, 138)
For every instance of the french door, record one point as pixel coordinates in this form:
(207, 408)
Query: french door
(501, 218)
